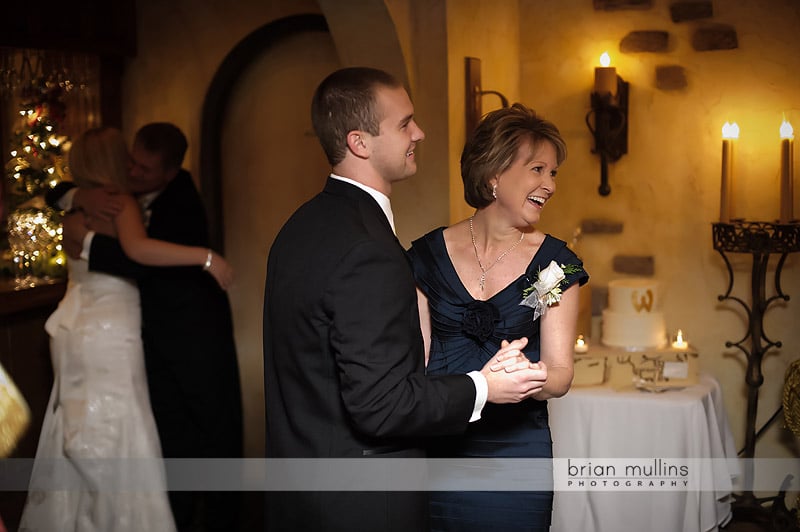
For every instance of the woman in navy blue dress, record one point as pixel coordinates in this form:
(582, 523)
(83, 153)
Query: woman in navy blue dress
(492, 277)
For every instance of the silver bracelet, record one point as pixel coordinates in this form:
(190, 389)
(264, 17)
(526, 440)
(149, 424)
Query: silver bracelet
(210, 256)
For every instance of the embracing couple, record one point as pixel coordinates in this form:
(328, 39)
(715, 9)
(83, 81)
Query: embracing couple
(142, 346)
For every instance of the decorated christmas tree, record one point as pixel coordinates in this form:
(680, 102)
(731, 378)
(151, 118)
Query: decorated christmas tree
(36, 165)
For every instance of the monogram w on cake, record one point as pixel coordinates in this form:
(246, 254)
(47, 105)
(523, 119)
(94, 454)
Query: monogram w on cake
(633, 319)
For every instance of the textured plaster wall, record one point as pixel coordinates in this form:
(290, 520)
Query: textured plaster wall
(488, 30)
(666, 189)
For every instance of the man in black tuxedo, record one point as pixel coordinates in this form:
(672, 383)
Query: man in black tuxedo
(187, 328)
(343, 351)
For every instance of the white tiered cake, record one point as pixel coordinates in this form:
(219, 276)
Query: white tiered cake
(633, 348)
(633, 320)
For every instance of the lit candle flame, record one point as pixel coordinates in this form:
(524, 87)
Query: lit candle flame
(580, 345)
(605, 59)
(730, 131)
(679, 342)
(786, 130)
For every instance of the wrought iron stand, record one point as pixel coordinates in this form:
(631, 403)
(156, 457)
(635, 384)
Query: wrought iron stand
(760, 239)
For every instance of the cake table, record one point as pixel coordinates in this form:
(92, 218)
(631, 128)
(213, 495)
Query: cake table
(598, 423)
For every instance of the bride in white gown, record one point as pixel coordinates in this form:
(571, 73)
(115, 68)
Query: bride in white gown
(98, 464)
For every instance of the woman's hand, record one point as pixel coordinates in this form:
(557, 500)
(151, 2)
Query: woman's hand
(221, 270)
(509, 357)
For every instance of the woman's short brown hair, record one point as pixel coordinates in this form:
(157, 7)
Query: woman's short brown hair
(494, 144)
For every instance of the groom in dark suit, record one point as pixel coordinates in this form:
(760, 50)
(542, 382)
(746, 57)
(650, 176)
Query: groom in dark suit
(343, 352)
(187, 329)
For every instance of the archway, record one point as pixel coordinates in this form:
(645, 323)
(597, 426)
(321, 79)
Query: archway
(249, 191)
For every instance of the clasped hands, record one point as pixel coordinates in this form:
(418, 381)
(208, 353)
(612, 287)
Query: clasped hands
(511, 376)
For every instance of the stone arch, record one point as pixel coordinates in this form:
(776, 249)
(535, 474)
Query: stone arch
(363, 33)
(215, 104)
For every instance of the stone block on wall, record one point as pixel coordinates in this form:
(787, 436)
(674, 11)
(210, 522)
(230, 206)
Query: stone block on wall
(642, 265)
(670, 77)
(645, 41)
(599, 225)
(599, 299)
(683, 11)
(610, 5)
(716, 37)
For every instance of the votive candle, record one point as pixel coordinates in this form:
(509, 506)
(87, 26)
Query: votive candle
(580, 345)
(679, 342)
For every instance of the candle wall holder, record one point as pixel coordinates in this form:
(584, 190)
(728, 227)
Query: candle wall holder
(608, 123)
(759, 239)
(474, 94)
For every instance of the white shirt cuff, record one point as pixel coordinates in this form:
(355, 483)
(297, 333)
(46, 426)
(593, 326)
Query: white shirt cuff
(481, 394)
(65, 202)
(87, 246)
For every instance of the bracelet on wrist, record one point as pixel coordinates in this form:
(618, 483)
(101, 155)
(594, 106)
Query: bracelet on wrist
(209, 257)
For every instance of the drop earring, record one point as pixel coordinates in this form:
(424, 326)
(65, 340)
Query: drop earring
(494, 191)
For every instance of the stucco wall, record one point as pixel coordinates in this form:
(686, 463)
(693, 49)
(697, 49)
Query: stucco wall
(666, 190)
(487, 30)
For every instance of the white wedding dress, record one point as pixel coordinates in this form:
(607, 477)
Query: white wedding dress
(98, 465)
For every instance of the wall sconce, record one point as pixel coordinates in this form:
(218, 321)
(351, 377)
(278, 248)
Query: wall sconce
(474, 93)
(610, 118)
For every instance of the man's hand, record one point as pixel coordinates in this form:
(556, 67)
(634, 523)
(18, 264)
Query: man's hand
(103, 203)
(74, 231)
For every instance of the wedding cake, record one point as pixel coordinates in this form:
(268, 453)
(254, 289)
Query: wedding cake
(633, 320)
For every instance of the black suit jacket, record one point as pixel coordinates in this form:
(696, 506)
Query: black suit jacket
(343, 360)
(187, 331)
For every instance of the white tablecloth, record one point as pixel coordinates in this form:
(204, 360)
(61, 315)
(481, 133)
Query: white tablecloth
(602, 424)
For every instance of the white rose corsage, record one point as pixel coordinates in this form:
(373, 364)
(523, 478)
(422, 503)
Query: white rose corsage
(546, 290)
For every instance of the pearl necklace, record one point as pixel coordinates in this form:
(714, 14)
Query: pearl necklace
(492, 265)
